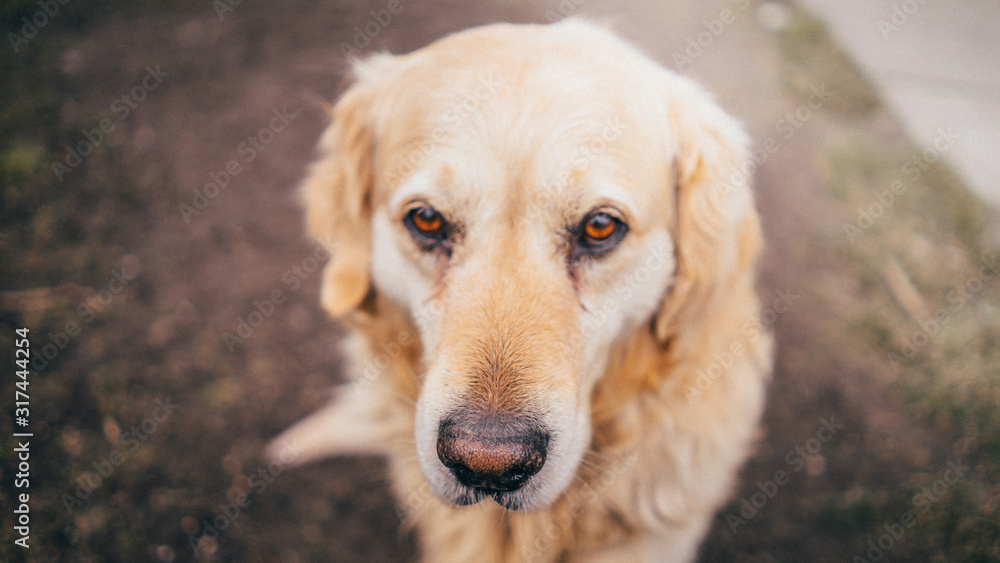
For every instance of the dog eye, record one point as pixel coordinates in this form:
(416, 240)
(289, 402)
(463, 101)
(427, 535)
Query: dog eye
(600, 232)
(426, 225)
(600, 227)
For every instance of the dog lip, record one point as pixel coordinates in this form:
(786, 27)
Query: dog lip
(507, 501)
(468, 497)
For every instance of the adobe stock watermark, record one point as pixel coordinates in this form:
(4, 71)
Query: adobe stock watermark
(48, 10)
(207, 542)
(753, 331)
(596, 317)
(957, 298)
(292, 280)
(565, 9)
(793, 120)
(374, 367)
(797, 459)
(787, 126)
(122, 107)
(913, 169)
(901, 14)
(589, 496)
(487, 88)
(130, 441)
(247, 151)
(922, 502)
(87, 310)
(378, 20)
(582, 158)
(625, 287)
(695, 45)
(224, 7)
(376, 362)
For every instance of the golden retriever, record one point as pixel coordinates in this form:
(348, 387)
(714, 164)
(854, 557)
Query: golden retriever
(544, 246)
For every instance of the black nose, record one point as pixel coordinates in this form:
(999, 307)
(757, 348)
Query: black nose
(493, 452)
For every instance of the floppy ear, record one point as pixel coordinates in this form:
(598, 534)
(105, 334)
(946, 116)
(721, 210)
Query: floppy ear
(717, 231)
(337, 196)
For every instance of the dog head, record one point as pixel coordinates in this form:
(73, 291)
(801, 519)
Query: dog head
(530, 196)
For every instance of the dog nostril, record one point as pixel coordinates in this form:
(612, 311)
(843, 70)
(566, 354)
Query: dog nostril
(490, 459)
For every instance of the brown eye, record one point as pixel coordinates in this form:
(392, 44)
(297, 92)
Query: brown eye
(599, 233)
(600, 227)
(427, 226)
(427, 220)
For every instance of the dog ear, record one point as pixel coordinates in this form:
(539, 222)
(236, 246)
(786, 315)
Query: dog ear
(717, 231)
(337, 194)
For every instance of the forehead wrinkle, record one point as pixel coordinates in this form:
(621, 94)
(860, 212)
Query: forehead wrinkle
(545, 173)
(510, 148)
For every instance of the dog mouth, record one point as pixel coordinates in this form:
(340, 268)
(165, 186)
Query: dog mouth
(493, 455)
(507, 499)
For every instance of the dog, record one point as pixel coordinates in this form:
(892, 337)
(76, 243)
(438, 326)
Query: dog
(544, 248)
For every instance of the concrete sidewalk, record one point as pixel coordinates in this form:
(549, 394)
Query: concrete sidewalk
(937, 64)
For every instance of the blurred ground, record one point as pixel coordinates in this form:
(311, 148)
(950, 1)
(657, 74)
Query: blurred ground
(129, 271)
(935, 63)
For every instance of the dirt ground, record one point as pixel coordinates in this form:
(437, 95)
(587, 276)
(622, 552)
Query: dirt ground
(151, 400)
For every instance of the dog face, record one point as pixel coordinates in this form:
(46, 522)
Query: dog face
(530, 196)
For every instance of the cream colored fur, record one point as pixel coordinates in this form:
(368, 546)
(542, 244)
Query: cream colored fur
(647, 364)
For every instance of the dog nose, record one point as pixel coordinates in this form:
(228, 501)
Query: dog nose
(491, 454)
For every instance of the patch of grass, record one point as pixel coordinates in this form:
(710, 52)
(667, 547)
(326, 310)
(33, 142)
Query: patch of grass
(960, 525)
(839, 516)
(19, 163)
(51, 229)
(933, 326)
(915, 237)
